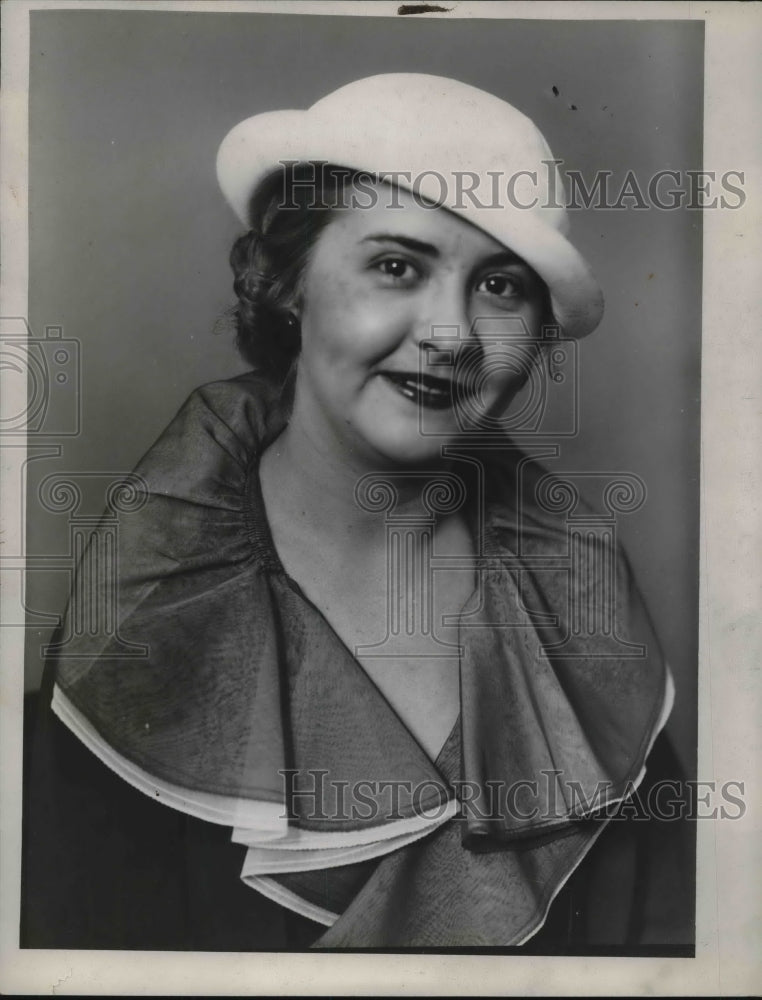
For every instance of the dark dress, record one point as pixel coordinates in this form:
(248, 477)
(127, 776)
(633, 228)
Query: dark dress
(105, 866)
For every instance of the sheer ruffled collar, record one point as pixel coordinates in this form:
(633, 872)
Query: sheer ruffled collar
(221, 690)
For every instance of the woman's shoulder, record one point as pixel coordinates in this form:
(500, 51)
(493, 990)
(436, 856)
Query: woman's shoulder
(244, 403)
(190, 495)
(236, 415)
(205, 452)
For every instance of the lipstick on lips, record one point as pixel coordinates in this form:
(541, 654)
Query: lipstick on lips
(425, 390)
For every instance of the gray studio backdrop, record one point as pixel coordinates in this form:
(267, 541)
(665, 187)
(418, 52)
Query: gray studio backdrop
(129, 240)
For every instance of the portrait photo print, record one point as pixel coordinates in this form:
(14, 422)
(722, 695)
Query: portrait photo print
(362, 483)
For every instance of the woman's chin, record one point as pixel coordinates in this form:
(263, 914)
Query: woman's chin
(408, 447)
(420, 437)
(397, 431)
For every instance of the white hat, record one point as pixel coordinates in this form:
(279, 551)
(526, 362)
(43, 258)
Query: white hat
(446, 138)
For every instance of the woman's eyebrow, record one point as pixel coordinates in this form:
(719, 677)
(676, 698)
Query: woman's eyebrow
(418, 246)
(502, 257)
(505, 256)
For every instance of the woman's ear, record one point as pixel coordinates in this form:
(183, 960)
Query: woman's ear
(291, 303)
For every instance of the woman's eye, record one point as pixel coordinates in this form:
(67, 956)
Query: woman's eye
(398, 269)
(502, 285)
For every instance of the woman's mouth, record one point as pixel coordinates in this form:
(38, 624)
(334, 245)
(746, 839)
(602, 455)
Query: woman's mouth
(425, 390)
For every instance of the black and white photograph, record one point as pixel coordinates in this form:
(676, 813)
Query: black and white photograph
(357, 511)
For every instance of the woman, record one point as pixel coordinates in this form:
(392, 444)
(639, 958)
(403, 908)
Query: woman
(345, 623)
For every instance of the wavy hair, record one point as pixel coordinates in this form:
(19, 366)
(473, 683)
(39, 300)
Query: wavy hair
(287, 212)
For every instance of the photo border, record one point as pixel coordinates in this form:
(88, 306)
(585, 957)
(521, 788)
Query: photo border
(728, 900)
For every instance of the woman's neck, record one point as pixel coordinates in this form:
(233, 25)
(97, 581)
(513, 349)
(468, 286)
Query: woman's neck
(309, 478)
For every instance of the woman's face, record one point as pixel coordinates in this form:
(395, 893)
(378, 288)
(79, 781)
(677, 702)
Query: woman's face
(416, 326)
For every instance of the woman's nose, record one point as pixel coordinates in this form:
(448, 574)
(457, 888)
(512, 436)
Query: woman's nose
(443, 314)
